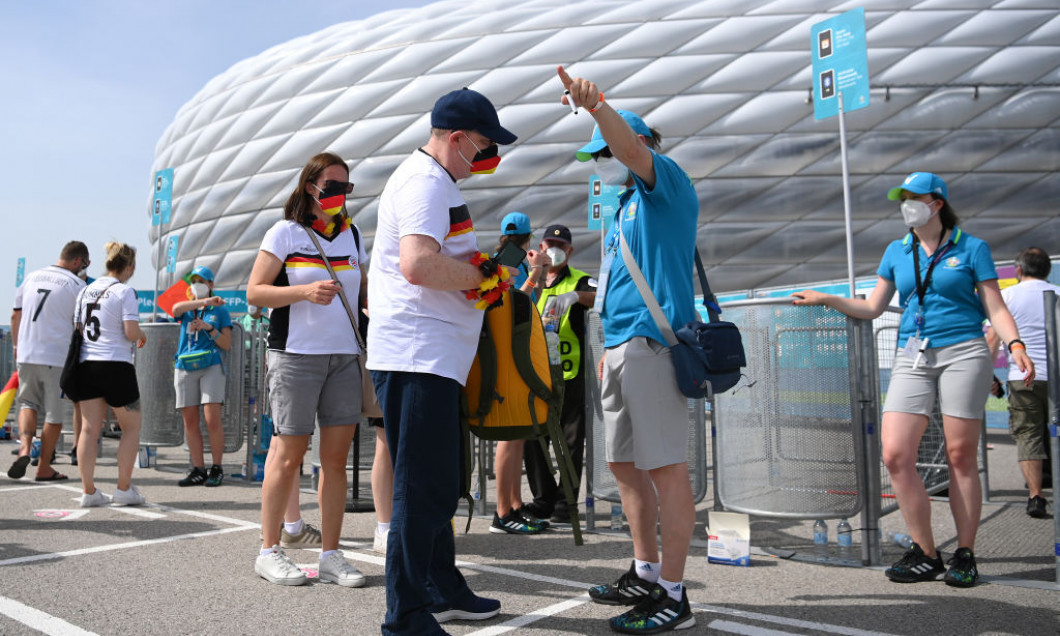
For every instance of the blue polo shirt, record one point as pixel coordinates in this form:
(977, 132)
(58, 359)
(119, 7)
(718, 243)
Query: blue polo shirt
(953, 312)
(216, 317)
(660, 227)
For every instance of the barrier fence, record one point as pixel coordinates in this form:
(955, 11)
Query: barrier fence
(1052, 339)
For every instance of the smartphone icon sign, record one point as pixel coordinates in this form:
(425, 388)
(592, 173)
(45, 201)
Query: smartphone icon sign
(596, 187)
(827, 84)
(824, 43)
(596, 212)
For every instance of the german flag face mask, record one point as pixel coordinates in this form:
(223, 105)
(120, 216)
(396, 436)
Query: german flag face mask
(332, 201)
(485, 161)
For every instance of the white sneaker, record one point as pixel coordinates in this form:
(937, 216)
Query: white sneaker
(334, 568)
(130, 497)
(276, 567)
(379, 544)
(96, 499)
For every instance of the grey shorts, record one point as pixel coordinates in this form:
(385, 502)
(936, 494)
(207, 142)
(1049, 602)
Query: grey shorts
(205, 386)
(38, 389)
(959, 374)
(313, 390)
(1028, 413)
(645, 415)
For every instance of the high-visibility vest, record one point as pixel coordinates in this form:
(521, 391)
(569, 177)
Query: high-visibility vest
(569, 348)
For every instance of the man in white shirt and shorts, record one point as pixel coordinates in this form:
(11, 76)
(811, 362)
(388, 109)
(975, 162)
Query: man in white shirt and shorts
(41, 325)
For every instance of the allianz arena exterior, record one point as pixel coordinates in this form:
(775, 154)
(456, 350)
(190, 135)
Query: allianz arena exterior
(969, 89)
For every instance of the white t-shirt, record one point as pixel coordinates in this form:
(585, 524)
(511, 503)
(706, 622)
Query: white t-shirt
(104, 307)
(306, 327)
(413, 328)
(46, 298)
(1026, 304)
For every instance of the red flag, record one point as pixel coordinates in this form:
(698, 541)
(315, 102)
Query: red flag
(180, 291)
(7, 396)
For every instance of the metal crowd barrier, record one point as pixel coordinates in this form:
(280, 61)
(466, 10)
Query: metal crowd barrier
(162, 422)
(7, 355)
(1052, 339)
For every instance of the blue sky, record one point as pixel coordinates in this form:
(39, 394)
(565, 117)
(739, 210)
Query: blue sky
(89, 88)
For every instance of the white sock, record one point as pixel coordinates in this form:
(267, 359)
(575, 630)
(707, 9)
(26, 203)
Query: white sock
(673, 589)
(382, 528)
(647, 570)
(326, 553)
(294, 528)
(266, 551)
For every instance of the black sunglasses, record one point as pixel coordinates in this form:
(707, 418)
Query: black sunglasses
(331, 186)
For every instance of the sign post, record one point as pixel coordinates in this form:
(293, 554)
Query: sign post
(161, 211)
(841, 84)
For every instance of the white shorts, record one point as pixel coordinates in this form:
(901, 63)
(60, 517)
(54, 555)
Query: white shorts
(205, 386)
(645, 415)
(38, 389)
(959, 374)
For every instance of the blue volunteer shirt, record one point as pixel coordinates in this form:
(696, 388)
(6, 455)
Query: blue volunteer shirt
(660, 227)
(953, 312)
(217, 317)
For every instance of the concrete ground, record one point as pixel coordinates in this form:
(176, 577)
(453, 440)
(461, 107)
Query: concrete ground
(184, 565)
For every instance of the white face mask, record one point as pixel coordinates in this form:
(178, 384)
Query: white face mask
(557, 255)
(200, 290)
(915, 213)
(612, 172)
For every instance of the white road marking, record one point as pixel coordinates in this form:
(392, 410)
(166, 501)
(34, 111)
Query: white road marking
(532, 617)
(787, 622)
(38, 620)
(746, 630)
(138, 512)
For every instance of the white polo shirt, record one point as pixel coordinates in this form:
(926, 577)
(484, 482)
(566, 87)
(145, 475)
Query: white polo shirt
(46, 298)
(413, 328)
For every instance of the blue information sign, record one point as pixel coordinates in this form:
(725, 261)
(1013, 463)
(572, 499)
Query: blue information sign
(235, 301)
(603, 203)
(171, 254)
(840, 64)
(20, 271)
(162, 200)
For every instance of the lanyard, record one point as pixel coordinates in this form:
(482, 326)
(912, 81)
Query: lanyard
(922, 286)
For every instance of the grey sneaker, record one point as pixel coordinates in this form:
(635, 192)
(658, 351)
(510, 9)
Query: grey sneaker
(130, 497)
(309, 537)
(276, 567)
(95, 500)
(334, 568)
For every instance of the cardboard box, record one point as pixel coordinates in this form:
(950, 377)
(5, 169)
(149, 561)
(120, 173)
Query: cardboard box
(729, 539)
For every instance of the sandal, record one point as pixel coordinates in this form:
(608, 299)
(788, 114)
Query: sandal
(55, 476)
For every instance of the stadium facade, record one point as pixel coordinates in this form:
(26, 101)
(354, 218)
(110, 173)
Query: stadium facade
(969, 89)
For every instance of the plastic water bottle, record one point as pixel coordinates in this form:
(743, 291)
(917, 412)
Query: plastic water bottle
(617, 519)
(845, 538)
(552, 339)
(900, 538)
(820, 539)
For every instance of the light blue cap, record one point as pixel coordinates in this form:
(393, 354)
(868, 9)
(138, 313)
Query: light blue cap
(597, 143)
(203, 272)
(920, 183)
(516, 223)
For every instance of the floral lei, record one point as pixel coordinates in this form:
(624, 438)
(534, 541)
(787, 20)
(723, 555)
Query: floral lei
(490, 292)
(328, 228)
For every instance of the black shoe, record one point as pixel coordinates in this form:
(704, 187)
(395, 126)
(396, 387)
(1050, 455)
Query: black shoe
(1036, 507)
(915, 567)
(73, 456)
(196, 477)
(513, 523)
(18, 469)
(531, 518)
(656, 613)
(629, 589)
(36, 460)
(537, 510)
(216, 476)
(561, 515)
(962, 572)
